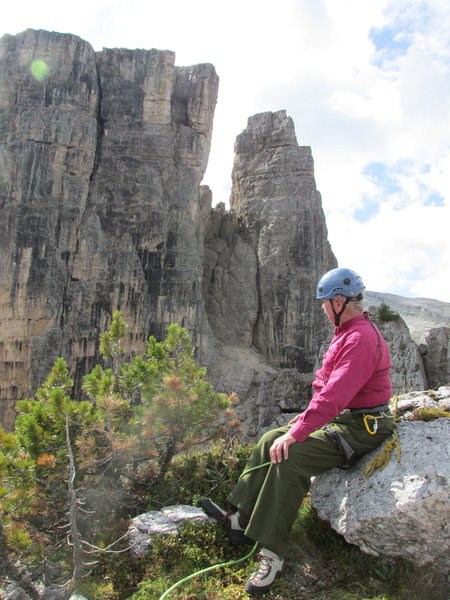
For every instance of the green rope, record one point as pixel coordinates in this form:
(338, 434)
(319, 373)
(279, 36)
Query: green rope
(225, 564)
(266, 464)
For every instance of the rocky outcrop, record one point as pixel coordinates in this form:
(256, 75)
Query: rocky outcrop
(437, 356)
(275, 198)
(408, 372)
(404, 509)
(161, 522)
(428, 322)
(420, 314)
(261, 265)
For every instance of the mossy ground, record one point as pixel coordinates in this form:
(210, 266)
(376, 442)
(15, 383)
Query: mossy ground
(320, 564)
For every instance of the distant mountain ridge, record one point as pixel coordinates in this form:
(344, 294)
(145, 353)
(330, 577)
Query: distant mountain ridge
(420, 314)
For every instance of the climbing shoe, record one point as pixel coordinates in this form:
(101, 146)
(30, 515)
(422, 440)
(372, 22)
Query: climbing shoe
(270, 567)
(229, 521)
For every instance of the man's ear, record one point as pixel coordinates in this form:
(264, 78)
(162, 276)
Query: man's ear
(337, 303)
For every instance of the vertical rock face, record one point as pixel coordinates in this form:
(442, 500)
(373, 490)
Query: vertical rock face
(437, 359)
(48, 135)
(101, 162)
(275, 199)
(262, 262)
(407, 373)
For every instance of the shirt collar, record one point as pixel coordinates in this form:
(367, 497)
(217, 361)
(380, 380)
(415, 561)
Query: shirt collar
(348, 324)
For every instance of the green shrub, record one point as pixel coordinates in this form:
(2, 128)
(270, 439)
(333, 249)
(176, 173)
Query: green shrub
(76, 466)
(386, 314)
(212, 472)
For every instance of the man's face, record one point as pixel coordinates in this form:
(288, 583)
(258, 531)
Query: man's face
(327, 307)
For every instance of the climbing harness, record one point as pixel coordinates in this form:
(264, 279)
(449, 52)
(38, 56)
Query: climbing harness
(383, 458)
(344, 446)
(345, 449)
(225, 564)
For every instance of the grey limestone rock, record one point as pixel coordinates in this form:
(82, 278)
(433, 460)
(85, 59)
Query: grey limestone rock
(165, 522)
(420, 314)
(408, 372)
(261, 264)
(436, 399)
(101, 168)
(102, 210)
(404, 509)
(275, 199)
(437, 357)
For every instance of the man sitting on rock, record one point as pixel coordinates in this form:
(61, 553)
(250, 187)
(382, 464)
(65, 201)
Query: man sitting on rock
(347, 417)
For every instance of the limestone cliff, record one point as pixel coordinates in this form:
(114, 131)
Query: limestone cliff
(262, 263)
(428, 324)
(437, 356)
(102, 209)
(101, 166)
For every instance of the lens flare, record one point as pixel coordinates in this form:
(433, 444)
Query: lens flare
(39, 69)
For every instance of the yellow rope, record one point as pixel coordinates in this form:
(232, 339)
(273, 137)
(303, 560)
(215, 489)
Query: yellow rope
(383, 458)
(393, 406)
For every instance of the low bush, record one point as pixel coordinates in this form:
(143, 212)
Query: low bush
(386, 314)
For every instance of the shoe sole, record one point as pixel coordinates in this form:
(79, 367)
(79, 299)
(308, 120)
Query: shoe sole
(254, 589)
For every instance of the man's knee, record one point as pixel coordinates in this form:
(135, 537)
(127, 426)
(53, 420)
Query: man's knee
(270, 436)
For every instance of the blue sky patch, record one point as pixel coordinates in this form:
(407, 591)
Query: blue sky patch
(434, 199)
(386, 38)
(382, 176)
(368, 210)
(390, 44)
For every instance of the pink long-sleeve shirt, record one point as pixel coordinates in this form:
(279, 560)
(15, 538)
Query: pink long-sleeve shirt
(355, 374)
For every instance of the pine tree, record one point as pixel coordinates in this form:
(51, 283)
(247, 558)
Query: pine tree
(68, 469)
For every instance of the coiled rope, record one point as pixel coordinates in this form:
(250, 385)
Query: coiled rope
(383, 458)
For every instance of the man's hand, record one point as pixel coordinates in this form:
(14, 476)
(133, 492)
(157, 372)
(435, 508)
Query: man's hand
(280, 448)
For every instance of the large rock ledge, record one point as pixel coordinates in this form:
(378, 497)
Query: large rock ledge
(404, 509)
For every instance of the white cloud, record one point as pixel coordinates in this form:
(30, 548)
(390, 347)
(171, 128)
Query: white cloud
(404, 252)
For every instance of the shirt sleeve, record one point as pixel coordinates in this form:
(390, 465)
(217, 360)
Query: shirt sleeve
(354, 364)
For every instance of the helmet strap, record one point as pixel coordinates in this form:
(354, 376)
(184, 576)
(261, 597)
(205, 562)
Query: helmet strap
(337, 315)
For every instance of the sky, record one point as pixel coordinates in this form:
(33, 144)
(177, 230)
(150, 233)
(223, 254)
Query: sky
(367, 84)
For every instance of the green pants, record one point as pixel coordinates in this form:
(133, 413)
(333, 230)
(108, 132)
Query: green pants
(271, 496)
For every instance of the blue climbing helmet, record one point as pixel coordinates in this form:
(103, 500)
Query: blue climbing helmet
(339, 281)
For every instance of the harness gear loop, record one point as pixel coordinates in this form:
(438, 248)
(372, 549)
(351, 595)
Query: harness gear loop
(345, 449)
